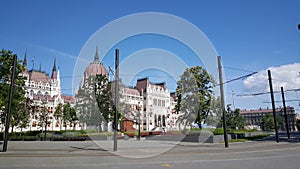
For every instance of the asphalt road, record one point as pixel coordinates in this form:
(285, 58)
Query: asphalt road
(150, 155)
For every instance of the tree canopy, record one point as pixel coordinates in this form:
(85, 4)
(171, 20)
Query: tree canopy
(234, 120)
(20, 111)
(194, 93)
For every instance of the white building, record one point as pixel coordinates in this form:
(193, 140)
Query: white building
(158, 106)
(45, 95)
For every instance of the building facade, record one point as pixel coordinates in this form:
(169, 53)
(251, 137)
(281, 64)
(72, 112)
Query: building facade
(147, 105)
(44, 92)
(158, 106)
(254, 117)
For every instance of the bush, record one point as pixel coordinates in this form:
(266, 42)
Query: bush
(70, 134)
(218, 131)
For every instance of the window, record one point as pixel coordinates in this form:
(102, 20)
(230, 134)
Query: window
(31, 92)
(155, 102)
(39, 94)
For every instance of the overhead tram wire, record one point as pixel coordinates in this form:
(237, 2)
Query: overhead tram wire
(242, 70)
(238, 78)
(262, 93)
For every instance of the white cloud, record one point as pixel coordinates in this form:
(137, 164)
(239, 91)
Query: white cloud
(286, 76)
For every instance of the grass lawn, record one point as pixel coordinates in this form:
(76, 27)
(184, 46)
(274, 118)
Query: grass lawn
(251, 138)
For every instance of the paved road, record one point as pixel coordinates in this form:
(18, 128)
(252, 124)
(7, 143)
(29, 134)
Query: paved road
(149, 154)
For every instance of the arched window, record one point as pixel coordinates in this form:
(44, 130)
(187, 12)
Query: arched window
(31, 93)
(39, 94)
(47, 96)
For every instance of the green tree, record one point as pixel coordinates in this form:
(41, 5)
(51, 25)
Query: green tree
(17, 118)
(25, 109)
(69, 115)
(234, 120)
(58, 114)
(104, 99)
(215, 116)
(43, 116)
(268, 121)
(93, 112)
(194, 94)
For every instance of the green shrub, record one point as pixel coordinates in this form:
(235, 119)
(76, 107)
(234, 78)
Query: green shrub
(70, 134)
(218, 131)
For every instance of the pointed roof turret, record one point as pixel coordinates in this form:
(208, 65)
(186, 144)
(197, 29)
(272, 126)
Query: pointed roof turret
(25, 62)
(54, 75)
(25, 59)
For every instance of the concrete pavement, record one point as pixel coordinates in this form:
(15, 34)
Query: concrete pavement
(149, 154)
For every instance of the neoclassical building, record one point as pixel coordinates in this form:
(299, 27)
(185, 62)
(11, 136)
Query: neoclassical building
(158, 106)
(147, 105)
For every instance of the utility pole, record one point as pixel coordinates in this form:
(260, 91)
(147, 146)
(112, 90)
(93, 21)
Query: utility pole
(7, 118)
(222, 101)
(273, 105)
(116, 100)
(285, 114)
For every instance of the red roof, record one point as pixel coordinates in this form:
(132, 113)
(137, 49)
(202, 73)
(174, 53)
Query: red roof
(68, 99)
(132, 91)
(38, 76)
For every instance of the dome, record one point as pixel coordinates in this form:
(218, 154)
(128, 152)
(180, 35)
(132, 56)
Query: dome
(95, 68)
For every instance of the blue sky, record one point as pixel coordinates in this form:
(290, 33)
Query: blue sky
(250, 35)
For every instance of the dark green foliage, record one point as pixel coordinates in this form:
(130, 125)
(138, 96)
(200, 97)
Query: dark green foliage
(94, 103)
(268, 121)
(234, 120)
(194, 94)
(104, 97)
(20, 110)
(69, 114)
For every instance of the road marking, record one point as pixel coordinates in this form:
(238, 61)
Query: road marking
(167, 165)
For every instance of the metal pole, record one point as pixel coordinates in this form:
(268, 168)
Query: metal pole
(273, 105)
(285, 114)
(222, 101)
(7, 118)
(139, 134)
(116, 100)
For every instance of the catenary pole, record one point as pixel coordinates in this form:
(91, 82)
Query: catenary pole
(116, 100)
(285, 114)
(7, 118)
(273, 105)
(222, 101)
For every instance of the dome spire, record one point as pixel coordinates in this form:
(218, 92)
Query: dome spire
(96, 57)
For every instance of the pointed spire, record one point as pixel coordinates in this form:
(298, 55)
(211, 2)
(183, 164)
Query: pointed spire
(96, 57)
(25, 63)
(54, 75)
(40, 69)
(54, 65)
(25, 59)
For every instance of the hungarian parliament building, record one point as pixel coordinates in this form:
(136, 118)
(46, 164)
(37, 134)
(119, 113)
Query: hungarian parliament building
(150, 106)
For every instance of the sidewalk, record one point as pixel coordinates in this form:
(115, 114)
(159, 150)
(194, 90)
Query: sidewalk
(131, 148)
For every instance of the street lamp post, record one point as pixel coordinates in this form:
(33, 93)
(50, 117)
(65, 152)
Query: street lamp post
(139, 123)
